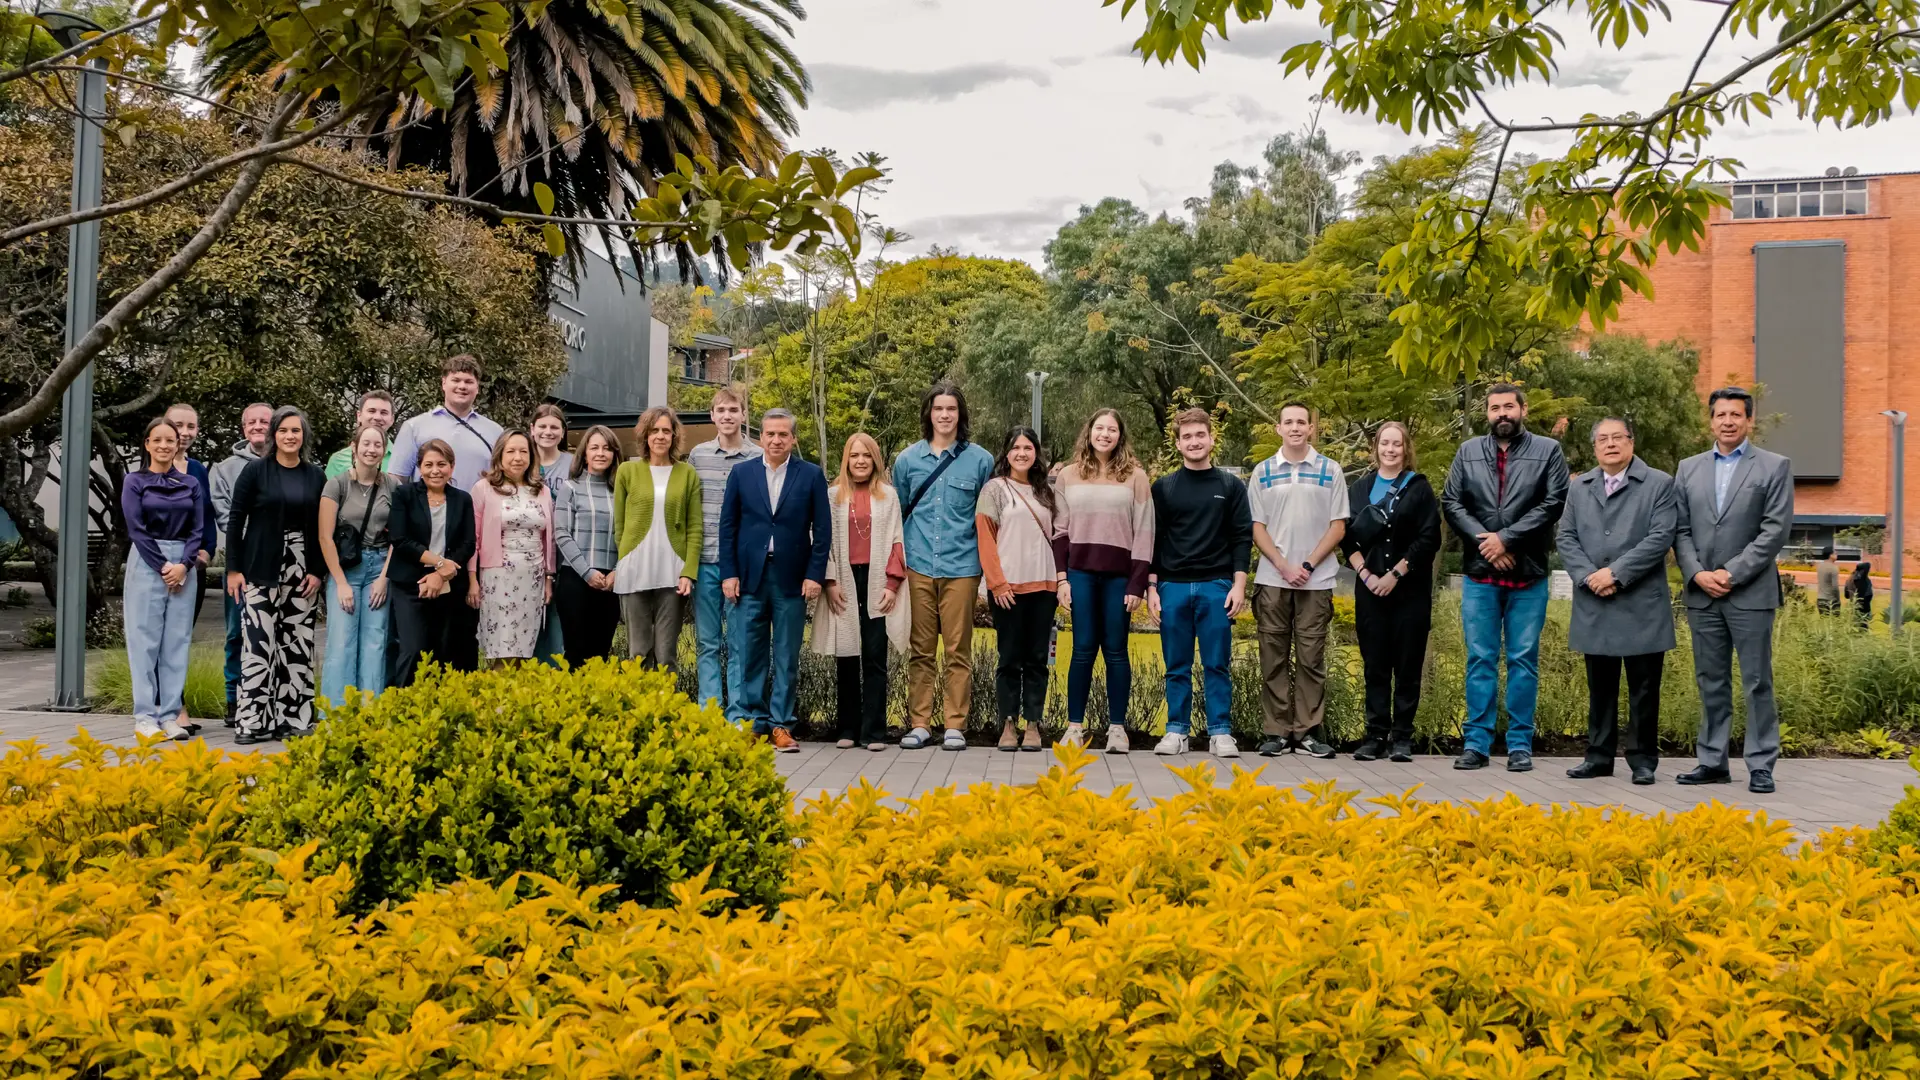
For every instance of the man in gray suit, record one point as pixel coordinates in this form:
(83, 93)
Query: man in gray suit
(1621, 520)
(1736, 506)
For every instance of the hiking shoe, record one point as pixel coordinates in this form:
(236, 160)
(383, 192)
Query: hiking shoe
(1116, 739)
(1471, 759)
(1315, 748)
(1223, 746)
(1170, 744)
(1370, 750)
(1520, 761)
(1273, 746)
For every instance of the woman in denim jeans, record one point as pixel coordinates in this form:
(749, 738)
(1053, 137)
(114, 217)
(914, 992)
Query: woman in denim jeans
(357, 611)
(166, 515)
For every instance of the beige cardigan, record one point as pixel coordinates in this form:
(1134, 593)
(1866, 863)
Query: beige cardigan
(839, 635)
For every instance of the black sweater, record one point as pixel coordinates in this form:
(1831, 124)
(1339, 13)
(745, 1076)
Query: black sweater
(1203, 526)
(269, 501)
(1411, 533)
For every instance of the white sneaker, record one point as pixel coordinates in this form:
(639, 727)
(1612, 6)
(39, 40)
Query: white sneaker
(173, 730)
(1170, 744)
(1116, 739)
(147, 729)
(1075, 736)
(1223, 746)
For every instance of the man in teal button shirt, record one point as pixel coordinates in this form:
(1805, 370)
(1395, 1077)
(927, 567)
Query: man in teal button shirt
(938, 481)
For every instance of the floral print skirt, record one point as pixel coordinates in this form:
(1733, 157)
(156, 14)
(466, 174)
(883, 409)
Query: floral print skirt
(513, 605)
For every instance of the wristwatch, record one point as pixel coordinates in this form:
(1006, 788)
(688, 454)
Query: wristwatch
(1308, 566)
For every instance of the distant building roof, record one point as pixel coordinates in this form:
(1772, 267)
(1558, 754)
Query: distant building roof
(712, 341)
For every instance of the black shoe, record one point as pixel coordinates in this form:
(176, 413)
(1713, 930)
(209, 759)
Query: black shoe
(1588, 770)
(247, 738)
(1700, 774)
(1370, 750)
(191, 728)
(288, 734)
(1274, 747)
(1315, 748)
(1760, 781)
(1642, 775)
(1471, 759)
(1402, 751)
(1520, 761)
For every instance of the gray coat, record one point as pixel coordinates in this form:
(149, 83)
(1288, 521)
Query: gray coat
(1744, 536)
(1630, 534)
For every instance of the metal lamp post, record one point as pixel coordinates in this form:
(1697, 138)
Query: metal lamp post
(1036, 379)
(76, 407)
(1896, 516)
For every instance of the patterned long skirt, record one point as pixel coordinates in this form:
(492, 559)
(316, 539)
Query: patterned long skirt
(276, 649)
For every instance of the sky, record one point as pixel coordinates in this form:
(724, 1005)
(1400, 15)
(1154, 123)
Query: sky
(1000, 118)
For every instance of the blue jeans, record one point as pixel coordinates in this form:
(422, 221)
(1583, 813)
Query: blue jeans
(1190, 609)
(233, 645)
(715, 629)
(159, 629)
(764, 614)
(550, 647)
(356, 640)
(1487, 614)
(1100, 622)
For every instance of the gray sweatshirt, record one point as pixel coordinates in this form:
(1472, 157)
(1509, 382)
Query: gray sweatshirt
(223, 476)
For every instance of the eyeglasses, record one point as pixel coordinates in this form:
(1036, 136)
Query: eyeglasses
(1611, 439)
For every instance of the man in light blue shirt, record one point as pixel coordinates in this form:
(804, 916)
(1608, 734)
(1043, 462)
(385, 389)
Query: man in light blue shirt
(456, 421)
(938, 481)
(1724, 466)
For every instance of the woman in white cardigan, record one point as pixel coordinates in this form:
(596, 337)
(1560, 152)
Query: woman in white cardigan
(862, 610)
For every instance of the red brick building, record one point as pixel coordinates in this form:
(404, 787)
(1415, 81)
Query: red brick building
(1810, 286)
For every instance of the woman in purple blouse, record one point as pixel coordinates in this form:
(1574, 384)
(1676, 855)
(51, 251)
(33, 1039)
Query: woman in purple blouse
(166, 517)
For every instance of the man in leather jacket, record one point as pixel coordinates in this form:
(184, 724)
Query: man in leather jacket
(1503, 498)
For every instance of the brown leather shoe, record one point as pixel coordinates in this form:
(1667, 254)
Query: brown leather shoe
(1031, 743)
(783, 742)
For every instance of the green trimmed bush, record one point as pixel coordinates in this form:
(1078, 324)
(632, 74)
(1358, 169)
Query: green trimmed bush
(605, 776)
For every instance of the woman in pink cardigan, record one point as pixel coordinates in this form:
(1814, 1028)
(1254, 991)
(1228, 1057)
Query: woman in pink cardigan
(513, 561)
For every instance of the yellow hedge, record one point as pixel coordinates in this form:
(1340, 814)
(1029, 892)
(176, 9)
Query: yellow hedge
(1008, 933)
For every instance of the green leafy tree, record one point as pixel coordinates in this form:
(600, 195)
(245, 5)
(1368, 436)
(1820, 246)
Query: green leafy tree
(1650, 384)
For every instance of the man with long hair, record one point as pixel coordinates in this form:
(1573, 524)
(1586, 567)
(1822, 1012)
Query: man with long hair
(939, 480)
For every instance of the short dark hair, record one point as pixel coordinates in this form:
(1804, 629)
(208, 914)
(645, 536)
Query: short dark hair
(944, 388)
(1730, 393)
(1297, 405)
(1194, 415)
(1827, 552)
(1508, 388)
(1594, 431)
(432, 446)
(373, 395)
(464, 362)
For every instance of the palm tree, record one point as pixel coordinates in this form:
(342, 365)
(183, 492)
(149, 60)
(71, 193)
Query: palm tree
(595, 104)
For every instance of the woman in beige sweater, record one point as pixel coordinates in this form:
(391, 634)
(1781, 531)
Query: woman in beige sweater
(1022, 526)
(862, 609)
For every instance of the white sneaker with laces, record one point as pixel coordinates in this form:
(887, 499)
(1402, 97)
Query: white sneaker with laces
(1116, 739)
(146, 729)
(173, 730)
(1223, 746)
(1170, 744)
(1075, 736)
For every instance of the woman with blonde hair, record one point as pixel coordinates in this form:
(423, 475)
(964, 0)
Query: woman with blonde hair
(867, 562)
(1108, 502)
(657, 517)
(514, 561)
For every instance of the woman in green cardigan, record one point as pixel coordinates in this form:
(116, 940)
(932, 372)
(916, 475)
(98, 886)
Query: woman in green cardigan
(656, 522)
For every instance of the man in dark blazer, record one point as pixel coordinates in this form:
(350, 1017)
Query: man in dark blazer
(776, 528)
(1736, 507)
(1614, 537)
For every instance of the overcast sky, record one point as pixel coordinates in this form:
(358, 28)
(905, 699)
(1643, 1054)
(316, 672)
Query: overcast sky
(1001, 117)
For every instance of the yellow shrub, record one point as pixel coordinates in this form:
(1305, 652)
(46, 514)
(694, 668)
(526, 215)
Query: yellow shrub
(1039, 932)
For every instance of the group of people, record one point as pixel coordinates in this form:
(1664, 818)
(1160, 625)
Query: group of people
(456, 539)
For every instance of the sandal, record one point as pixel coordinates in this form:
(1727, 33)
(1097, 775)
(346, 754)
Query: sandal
(917, 739)
(1009, 739)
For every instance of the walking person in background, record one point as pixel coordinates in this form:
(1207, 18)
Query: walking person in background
(1203, 534)
(1736, 508)
(431, 525)
(588, 549)
(274, 568)
(1860, 591)
(863, 610)
(255, 424)
(1023, 555)
(166, 515)
(513, 559)
(713, 614)
(776, 531)
(374, 410)
(1391, 538)
(939, 480)
(1826, 582)
(1503, 497)
(549, 430)
(354, 508)
(186, 420)
(656, 515)
(1621, 519)
(1300, 508)
(1109, 509)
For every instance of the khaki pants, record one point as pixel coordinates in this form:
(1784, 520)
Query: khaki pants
(1293, 657)
(942, 612)
(653, 626)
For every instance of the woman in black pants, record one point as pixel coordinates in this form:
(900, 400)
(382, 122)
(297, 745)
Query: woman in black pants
(1391, 539)
(431, 526)
(588, 550)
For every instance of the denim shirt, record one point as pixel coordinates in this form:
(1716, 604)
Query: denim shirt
(940, 538)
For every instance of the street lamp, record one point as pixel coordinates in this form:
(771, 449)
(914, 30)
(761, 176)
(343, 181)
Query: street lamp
(1896, 517)
(76, 407)
(1036, 379)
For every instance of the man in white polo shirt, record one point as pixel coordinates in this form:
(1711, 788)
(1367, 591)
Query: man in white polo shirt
(1299, 501)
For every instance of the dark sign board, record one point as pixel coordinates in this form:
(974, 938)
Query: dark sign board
(607, 325)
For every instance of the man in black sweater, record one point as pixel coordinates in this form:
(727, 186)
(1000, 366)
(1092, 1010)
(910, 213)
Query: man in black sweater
(1203, 536)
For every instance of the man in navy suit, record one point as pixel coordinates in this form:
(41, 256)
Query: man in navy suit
(776, 528)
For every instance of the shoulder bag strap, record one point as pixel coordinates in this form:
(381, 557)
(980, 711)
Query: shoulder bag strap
(484, 441)
(1046, 536)
(907, 512)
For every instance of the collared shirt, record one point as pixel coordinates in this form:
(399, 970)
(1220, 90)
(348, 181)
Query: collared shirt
(1724, 466)
(1296, 502)
(941, 540)
(472, 438)
(714, 462)
(1614, 481)
(583, 525)
(776, 480)
(342, 460)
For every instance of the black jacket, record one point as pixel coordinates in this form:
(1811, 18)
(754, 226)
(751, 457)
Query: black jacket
(1411, 532)
(1536, 493)
(269, 501)
(410, 525)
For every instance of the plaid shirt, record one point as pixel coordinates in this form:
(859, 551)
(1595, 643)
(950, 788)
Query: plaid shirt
(583, 525)
(1500, 470)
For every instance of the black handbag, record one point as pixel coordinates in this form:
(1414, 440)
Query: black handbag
(346, 539)
(1372, 519)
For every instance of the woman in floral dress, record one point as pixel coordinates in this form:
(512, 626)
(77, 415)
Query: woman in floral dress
(514, 563)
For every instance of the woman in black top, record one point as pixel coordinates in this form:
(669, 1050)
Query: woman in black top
(273, 570)
(1860, 590)
(1392, 537)
(431, 526)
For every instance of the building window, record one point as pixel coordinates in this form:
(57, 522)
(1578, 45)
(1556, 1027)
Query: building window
(1800, 198)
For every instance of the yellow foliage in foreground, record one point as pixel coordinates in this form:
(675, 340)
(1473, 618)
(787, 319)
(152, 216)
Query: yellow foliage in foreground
(1005, 933)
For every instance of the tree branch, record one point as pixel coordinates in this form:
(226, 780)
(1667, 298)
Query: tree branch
(119, 76)
(477, 205)
(147, 397)
(51, 62)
